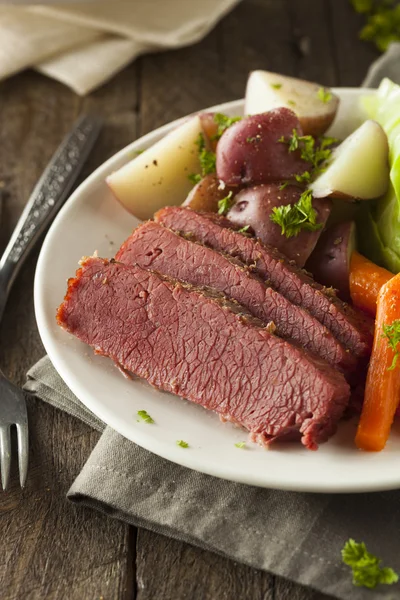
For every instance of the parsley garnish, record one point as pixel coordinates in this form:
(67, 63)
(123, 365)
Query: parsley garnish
(316, 155)
(194, 177)
(392, 334)
(207, 160)
(383, 21)
(324, 95)
(291, 102)
(144, 415)
(366, 567)
(283, 185)
(276, 86)
(207, 157)
(223, 122)
(304, 177)
(292, 218)
(252, 140)
(182, 444)
(240, 444)
(225, 204)
(244, 229)
(139, 152)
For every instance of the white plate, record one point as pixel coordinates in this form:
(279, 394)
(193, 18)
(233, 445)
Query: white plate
(93, 220)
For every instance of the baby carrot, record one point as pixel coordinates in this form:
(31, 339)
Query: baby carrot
(366, 279)
(382, 390)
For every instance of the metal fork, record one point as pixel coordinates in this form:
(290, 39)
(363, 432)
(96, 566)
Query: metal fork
(49, 195)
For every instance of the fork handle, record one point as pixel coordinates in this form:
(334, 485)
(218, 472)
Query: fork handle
(48, 196)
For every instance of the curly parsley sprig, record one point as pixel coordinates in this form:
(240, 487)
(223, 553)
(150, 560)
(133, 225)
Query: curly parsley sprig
(367, 571)
(207, 160)
(392, 334)
(293, 218)
(310, 151)
(223, 122)
(225, 204)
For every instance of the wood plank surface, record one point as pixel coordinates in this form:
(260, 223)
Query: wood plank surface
(49, 548)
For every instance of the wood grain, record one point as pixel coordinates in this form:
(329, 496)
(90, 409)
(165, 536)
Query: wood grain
(49, 548)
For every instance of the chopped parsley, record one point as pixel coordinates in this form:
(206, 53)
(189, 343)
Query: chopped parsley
(291, 102)
(283, 185)
(313, 153)
(276, 86)
(304, 177)
(244, 229)
(240, 444)
(194, 177)
(223, 122)
(225, 204)
(182, 444)
(293, 218)
(207, 157)
(144, 415)
(324, 95)
(139, 152)
(366, 568)
(392, 334)
(252, 140)
(207, 160)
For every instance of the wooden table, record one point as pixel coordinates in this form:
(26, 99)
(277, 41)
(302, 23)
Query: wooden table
(49, 548)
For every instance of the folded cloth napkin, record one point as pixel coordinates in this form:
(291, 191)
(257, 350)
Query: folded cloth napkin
(84, 44)
(297, 536)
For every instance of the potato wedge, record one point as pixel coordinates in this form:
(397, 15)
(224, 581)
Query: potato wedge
(206, 194)
(315, 105)
(358, 168)
(159, 176)
(330, 260)
(253, 207)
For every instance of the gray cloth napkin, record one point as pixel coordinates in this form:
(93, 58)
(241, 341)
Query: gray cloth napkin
(297, 536)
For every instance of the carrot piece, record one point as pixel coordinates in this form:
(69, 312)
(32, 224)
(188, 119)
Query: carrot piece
(366, 279)
(382, 390)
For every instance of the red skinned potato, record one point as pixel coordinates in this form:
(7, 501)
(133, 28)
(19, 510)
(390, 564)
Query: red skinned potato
(315, 105)
(210, 128)
(330, 260)
(249, 152)
(206, 194)
(253, 207)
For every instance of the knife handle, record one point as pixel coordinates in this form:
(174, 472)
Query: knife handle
(48, 196)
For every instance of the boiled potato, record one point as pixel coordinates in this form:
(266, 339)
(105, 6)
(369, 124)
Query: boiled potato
(250, 151)
(314, 105)
(330, 260)
(159, 176)
(358, 168)
(253, 208)
(206, 194)
(210, 128)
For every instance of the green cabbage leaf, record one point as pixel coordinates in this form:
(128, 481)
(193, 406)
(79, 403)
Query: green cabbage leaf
(379, 221)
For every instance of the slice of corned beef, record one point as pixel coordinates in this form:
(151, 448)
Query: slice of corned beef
(200, 346)
(152, 246)
(352, 328)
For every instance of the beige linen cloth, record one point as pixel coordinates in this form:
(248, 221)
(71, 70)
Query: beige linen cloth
(83, 44)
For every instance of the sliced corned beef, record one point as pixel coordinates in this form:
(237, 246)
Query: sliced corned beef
(199, 346)
(152, 246)
(352, 328)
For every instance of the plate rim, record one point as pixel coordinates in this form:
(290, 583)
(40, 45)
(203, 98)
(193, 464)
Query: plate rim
(191, 462)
